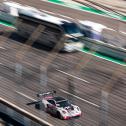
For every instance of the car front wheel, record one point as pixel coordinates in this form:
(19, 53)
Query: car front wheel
(59, 115)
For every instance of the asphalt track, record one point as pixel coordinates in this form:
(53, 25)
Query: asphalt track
(83, 88)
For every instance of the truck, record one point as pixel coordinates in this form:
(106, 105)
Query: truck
(26, 19)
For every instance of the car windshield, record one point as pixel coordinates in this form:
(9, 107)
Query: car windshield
(70, 28)
(64, 103)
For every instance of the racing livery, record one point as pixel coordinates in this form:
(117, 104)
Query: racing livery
(57, 106)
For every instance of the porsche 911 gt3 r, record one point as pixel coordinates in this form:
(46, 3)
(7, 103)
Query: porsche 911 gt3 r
(58, 106)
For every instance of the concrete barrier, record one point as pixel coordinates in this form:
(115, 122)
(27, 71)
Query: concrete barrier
(113, 37)
(20, 115)
(105, 49)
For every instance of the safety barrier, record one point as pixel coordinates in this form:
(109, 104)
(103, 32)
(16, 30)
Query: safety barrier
(20, 115)
(105, 48)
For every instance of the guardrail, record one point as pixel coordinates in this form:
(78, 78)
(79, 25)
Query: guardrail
(20, 115)
(105, 48)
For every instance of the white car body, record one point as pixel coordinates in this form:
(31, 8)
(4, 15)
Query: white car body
(91, 29)
(61, 107)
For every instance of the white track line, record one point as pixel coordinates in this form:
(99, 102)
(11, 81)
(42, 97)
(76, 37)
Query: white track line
(80, 98)
(65, 16)
(63, 92)
(48, 12)
(56, 14)
(2, 47)
(26, 96)
(73, 76)
(123, 32)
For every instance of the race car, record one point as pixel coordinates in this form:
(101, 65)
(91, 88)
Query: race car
(57, 106)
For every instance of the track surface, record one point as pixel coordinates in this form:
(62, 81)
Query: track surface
(75, 14)
(85, 87)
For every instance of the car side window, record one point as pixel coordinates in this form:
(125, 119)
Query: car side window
(52, 102)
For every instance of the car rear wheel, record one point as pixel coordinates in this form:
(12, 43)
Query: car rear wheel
(38, 105)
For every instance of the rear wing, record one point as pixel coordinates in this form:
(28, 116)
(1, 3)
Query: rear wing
(46, 94)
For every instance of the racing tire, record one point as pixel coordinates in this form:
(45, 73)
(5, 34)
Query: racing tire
(38, 105)
(47, 109)
(59, 115)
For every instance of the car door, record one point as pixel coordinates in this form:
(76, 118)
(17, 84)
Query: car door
(51, 106)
